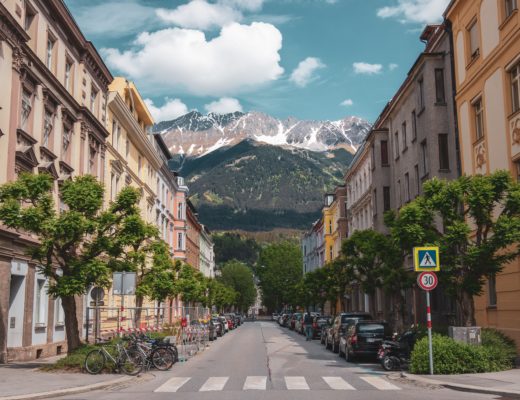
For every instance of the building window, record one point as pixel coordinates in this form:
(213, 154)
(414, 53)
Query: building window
(180, 211)
(25, 109)
(386, 198)
(444, 158)
(114, 131)
(492, 287)
(47, 128)
(127, 148)
(68, 74)
(478, 113)
(93, 98)
(66, 139)
(424, 157)
(139, 165)
(180, 241)
(399, 194)
(474, 48)
(403, 128)
(396, 145)
(511, 6)
(417, 179)
(440, 94)
(330, 226)
(414, 126)
(40, 304)
(375, 202)
(515, 87)
(421, 93)
(30, 14)
(92, 161)
(51, 42)
(407, 187)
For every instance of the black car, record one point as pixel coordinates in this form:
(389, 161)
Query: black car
(339, 327)
(219, 326)
(363, 338)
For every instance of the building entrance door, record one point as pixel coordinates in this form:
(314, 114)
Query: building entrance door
(16, 311)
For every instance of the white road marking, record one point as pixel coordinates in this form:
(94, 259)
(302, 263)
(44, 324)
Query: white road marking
(379, 383)
(215, 383)
(337, 383)
(255, 383)
(172, 385)
(296, 383)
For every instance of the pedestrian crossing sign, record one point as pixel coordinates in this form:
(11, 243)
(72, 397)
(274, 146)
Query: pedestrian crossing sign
(426, 259)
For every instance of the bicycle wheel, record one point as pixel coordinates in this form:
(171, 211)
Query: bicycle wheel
(131, 362)
(162, 358)
(95, 361)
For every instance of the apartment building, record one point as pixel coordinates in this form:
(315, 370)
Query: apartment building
(329, 212)
(52, 119)
(312, 244)
(180, 223)
(193, 232)
(207, 254)
(486, 38)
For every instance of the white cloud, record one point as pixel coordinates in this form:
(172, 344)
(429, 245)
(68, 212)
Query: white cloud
(105, 19)
(393, 66)
(241, 58)
(225, 105)
(347, 103)
(305, 70)
(171, 109)
(415, 11)
(246, 5)
(367, 69)
(199, 14)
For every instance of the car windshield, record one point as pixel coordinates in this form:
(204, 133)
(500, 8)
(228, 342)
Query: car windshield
(371, 328)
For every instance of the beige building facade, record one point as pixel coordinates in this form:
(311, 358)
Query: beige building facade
(486, 37)
(52, 119)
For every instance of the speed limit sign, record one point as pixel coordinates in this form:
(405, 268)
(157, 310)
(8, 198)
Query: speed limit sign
(427, 281)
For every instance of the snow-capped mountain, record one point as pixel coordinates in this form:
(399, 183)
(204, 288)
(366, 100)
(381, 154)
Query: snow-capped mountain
(195, 134)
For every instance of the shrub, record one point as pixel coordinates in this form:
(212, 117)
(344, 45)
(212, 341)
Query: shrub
(451, 357)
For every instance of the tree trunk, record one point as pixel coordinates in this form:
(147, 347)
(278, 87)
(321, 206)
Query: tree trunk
(138, 310)
(466, 308)
(71, 323)
(398, 313)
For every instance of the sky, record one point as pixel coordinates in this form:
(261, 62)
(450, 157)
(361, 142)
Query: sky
(309, 59)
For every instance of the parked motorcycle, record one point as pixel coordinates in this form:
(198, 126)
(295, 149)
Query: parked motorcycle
(395, 355)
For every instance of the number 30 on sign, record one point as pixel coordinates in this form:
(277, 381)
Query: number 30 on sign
(427, 281)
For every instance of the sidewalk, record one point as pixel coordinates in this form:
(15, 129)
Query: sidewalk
(25, 381)
(506, 383)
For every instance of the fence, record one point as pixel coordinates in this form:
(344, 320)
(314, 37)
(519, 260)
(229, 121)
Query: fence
(109, 322)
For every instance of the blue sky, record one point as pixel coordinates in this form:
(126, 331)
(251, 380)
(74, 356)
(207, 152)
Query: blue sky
(311, 59)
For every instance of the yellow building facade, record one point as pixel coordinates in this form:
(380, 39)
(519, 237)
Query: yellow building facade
(328, 227)
(486, 37)
(131, 160)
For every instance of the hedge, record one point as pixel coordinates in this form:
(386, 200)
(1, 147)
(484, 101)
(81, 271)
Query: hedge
(450, 357)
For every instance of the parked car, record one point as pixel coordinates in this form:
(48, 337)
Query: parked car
(318, 323)
(275, 316)
(339, 328)
(230, 321)
(212, 330)
(224, 323)
(363, 338)
(240, 318)
(287, 321)
(325, 331)
(282, 319)
(294, 317)
(219, 326)
(234, 320)
(298, 323)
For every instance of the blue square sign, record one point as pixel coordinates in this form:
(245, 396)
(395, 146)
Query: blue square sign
(426, 259)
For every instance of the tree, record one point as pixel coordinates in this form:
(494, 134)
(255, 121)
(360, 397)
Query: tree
(190, 285)
(78, 246)
(220, 295)
(279, 270)
(475, 221)
(239, 277)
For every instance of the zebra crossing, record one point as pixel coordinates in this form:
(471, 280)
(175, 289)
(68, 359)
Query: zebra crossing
(218, 383)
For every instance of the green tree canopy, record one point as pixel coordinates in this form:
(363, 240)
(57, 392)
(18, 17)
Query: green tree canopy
(77, 247)
(239, 277)
(231, 246)
(279, 270)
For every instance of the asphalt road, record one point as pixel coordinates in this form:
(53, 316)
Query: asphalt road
(260, 360)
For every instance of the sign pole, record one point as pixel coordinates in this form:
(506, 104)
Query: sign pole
(429, 325)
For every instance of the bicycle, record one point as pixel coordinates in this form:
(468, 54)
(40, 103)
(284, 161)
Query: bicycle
(157, 353)
(126, 360)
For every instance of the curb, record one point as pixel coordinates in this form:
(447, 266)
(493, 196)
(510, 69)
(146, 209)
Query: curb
(73, 390)
(461, 387)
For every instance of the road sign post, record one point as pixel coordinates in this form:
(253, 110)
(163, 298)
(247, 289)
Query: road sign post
(428, 281)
